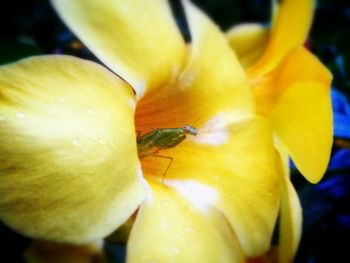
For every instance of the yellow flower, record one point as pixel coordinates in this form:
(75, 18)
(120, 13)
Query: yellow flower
(69, 163)
(292, 89)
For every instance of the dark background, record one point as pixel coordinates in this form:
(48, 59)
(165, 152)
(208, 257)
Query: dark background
(31, 27)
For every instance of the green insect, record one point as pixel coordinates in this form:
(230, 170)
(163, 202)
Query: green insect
(150, 143)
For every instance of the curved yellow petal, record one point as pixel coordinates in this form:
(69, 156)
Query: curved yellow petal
(138, 40)
(302, 120)
(288, 31)
(169, 229)
(231, 167)
(290, 215)
(213, 68)
(213, 82)
(248, 41)
(296, 97)
(68, 158)
(44, 252)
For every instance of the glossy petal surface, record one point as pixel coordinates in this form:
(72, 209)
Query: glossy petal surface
(290, 215)
(212, 83)
(298, 105)
(287, 32)
(217, 168)
(69, 166)
(248, 41)
(138, 40)
(169, 229)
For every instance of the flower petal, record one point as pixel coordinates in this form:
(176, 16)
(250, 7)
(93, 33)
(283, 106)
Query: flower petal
(302, 120)
(138, 40)
(298, 104)
(231, 167)
(290, 216)
(169, 229)
(248, 41)
(287, 32)
(213, 66)
(68, 154)
(212, 83)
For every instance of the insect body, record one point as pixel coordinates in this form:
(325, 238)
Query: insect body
(162, 138)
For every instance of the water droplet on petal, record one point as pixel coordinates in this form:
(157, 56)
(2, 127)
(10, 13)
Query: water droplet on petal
(76, 142)
(111, 143)
(20, 115)
(189, 243)
(164, 226)
(177, 250)
(189, 230)
(165, 203)
(106, 117)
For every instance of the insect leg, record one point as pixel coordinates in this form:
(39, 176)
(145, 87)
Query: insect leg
(165, 157)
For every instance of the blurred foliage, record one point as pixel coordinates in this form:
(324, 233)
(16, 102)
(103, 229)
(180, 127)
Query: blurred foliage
(31, 27)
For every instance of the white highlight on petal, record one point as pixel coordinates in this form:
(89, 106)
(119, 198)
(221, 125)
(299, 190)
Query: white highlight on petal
(200, 195)
(141, 89)
(139, 171)
(20, 115)
(216, 130)
(213, 132)
(212, 138)
(132, 103)
(175, 71)
(187, 80)
(149, 197)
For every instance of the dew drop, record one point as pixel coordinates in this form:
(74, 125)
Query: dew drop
(189, 243)
(165, 203)
(177, 250)
(20, 115)
(164, 226)
(132, 103)
(106, 117)
(189, 230)
(76, 142)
